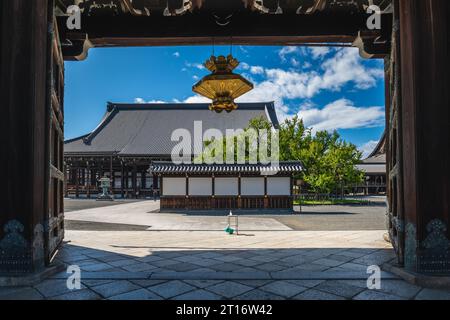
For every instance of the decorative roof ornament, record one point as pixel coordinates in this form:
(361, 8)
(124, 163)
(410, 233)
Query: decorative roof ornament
(222, 86)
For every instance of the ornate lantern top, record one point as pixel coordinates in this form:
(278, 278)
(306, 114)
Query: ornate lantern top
(222, 86)
(221, 65)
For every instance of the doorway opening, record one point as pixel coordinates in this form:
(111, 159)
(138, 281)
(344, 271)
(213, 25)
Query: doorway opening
(146, 95)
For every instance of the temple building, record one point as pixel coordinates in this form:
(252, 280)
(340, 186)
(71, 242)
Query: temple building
(226, 186)
(374, 168)
(132, 136)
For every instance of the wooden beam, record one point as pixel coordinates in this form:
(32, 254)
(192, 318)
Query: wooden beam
(201, 29)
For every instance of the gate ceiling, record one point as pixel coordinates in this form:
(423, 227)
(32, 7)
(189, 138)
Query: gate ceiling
(107, 23)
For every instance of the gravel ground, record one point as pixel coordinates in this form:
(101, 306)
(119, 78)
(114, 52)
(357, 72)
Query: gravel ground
(81, 204)
(338, 218)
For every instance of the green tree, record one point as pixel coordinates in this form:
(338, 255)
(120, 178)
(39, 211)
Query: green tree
(329, 162)
(249, 140)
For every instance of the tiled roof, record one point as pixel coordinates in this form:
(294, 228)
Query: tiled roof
(372, 168)
(377, 159)
(146, 129)
(171, 168)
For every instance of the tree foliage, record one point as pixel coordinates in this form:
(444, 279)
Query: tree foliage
(329, 162)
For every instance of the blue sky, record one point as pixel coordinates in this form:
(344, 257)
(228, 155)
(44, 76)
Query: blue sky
(330, 88)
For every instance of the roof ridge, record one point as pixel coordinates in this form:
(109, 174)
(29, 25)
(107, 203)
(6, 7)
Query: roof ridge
(224, 164)
(110, 113)
(77, 138)
(377, 149)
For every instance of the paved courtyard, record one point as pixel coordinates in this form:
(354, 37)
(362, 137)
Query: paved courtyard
(145, 215)
(132, 253)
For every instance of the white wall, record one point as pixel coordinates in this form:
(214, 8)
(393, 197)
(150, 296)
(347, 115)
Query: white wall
(252, 186)
(174, 186)
(226, 186)
(279, 186)
(200, 186)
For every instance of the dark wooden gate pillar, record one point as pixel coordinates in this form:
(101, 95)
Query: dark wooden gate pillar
(425, 88)
(23, 134)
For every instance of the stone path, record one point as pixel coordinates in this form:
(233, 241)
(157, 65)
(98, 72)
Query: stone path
(266, 261)
(212, 266)
(143, 213)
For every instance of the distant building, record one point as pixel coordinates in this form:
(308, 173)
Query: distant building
(374, 167)
(224, 186)
(132, 136)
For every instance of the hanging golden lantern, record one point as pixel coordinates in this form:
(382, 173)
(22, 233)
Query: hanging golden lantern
(222, 86)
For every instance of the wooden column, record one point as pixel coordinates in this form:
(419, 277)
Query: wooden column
(111, 175)
(122, 180)
(425, 83)
(266, 199)
(67, 179)
(134, 181)
(23, 134)
(93, 177)
(77, 182)
(155, 182)
(126, 186)
(187, 193)
(239, 202)
(100, 169)
(144, 180)
(84, 175)
(100, 174)
(213, 192)
(291, 193)
(88, 187)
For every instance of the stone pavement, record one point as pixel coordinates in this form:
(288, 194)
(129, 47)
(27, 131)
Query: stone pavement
(266, 261)
(204, 265)
(146, 215)
(73, 204)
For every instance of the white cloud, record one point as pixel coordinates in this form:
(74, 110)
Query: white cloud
(342, 114)
(197, 99)
(243, 49)
(195, 65)
(295, 62)
(336, 72)
(142, 101)
(287, 51)
(368, 148)
(307, 104)
(257, 70)
(244, 66)
(319, 52)
(306, 65)
(315, 52)
(343, 68)
(195, 77)
(176, 54)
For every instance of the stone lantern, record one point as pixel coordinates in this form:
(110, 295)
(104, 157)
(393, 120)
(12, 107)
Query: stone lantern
(105, 184)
